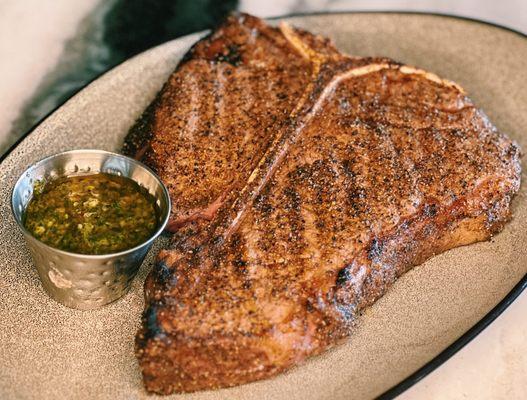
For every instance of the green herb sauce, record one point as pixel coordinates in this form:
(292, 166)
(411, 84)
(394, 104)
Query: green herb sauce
(91, 214)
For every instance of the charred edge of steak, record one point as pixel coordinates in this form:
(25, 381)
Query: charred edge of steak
(138, 138)
(434, 230)
(152, 328)
(228, 51)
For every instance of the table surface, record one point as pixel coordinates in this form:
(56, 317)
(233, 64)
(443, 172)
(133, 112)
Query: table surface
(33, 43)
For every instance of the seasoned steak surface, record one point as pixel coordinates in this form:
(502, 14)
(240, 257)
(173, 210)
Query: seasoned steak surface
(304, 183)
(218, 112)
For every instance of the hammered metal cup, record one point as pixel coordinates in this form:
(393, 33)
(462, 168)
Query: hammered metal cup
(78, 280)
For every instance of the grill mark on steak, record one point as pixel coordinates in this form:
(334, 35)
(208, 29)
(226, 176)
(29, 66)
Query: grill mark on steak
(371, 168)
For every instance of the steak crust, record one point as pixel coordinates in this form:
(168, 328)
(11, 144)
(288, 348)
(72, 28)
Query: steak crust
(304, 183)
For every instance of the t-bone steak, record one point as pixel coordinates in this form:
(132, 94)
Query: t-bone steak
(304, 182)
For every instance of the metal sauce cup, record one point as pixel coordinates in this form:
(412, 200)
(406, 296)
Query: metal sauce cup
(79, 280)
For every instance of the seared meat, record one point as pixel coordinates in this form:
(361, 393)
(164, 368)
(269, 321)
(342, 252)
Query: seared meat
(219, 111)
(329, 177)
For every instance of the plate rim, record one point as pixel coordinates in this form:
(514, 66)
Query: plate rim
(477, 328)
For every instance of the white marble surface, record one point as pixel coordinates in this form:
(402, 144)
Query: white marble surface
(512, 13)
(32, 35)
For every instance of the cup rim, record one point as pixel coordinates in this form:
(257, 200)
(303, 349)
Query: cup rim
(149, 241)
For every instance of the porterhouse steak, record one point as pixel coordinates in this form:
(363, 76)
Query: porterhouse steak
(304, 182)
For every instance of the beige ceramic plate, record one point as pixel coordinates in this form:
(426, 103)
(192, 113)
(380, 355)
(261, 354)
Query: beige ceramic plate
(48, 351)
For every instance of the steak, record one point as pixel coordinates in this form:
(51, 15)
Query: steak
(304, 183)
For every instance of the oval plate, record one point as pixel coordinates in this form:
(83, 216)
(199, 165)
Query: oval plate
(48, 351)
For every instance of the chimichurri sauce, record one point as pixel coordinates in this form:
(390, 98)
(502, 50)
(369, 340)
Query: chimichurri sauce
(92, 214)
